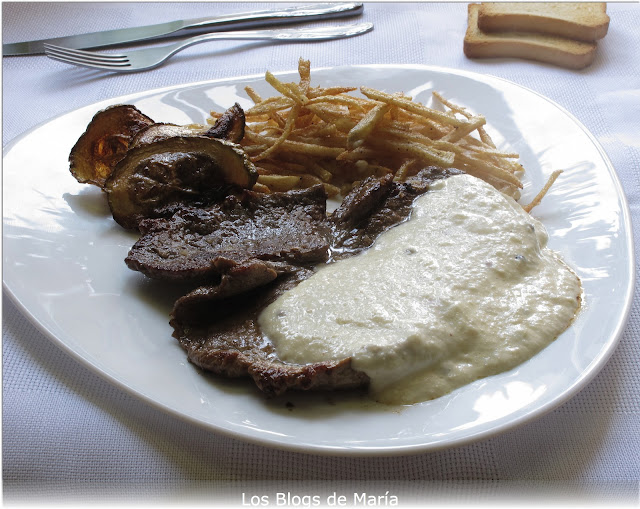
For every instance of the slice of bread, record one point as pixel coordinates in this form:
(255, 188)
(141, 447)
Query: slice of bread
(541, 47)
(573, 20)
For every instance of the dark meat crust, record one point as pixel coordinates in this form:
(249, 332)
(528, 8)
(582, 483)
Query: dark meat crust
(204, 243)
(218, 326)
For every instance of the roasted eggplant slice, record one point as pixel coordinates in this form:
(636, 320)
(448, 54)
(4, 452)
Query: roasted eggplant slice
(230, 126)
(159, 132)
(105, 142)
(155, 178)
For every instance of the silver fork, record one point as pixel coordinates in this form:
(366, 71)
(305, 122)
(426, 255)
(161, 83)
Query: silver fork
(149, 58)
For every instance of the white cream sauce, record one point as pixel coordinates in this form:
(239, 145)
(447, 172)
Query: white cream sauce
(464, 289)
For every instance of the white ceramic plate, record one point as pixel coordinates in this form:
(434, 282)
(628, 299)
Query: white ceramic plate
(63, 265)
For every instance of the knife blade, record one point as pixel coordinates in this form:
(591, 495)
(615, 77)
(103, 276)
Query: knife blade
(182, 28)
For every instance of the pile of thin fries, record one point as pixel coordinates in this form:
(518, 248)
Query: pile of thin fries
(313, 135)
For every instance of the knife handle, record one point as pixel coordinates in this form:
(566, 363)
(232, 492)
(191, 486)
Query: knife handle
(269, 18)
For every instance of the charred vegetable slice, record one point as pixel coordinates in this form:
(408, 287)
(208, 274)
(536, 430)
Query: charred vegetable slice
(155, 178)
(230, 126)
(105, 142)
(159, 132)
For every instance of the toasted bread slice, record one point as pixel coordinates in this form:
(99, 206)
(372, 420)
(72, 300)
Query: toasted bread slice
(573, 20)
(544, 48)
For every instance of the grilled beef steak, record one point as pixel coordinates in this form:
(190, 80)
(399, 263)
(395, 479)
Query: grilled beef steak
(217, 324)
(204, 243)
(375, 206)
(220, 333)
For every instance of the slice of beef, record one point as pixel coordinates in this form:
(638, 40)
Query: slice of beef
(219, 331)
(204, 243)
(375, 206)
(217, 325)
(196, 306)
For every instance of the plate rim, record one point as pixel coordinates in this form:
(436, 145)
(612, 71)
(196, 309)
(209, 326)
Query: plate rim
(585, 377)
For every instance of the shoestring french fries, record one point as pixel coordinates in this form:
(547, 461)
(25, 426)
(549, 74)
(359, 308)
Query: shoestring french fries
(310, 135)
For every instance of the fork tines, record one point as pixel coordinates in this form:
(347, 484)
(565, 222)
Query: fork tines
(89, 58)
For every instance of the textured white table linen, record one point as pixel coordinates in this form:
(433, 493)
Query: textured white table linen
(69, 435)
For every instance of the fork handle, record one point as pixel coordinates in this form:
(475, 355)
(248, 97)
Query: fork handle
(299, 34)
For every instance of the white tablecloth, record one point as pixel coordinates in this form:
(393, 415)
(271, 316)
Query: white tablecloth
(69, 434)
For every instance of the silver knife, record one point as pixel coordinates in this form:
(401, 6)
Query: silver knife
(189, 27)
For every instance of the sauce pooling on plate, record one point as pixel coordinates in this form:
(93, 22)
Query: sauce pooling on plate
(466, 288)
